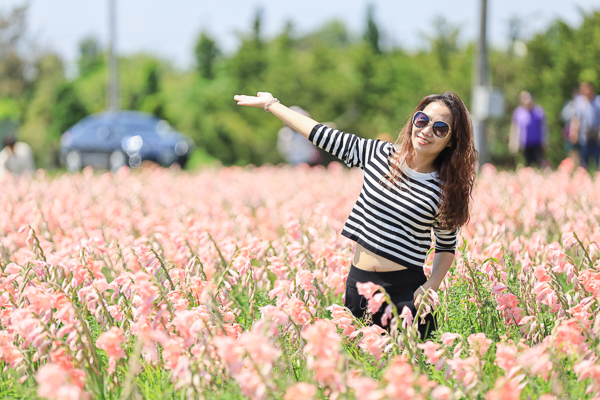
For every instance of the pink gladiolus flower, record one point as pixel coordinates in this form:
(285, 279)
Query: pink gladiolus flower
(298, 311)
(375, 303)
(342, 318)
(304, 279)
(506, 357)
(432, 351)
(479, 343)
(242, 262)
(229, 351)
(258, 348)
(499, 288)
(591, 281)
(300, 391)
(536, 360)
(400, 380)
(277, 266)
(448, 338)
(110, 342)
(569, 337)
(335, 281)
(373, 340)
(55, 383)
(441, 392)
(322, 339)
(505, 389)
(147, 258)
(464, 370)
(367, 289)
(275, 314)
(407, 317)
(365, 388)
(387, 315)
(568, 239)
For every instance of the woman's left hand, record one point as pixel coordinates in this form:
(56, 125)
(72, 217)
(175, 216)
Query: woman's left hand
(418, 296)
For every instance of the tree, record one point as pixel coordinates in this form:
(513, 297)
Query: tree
(12, 65)
(206, 52)
(90, 56)
(444, 41)
(371, 35)
(67, 109)
(248, 65)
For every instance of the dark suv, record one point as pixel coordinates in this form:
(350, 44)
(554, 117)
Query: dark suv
(111, 140)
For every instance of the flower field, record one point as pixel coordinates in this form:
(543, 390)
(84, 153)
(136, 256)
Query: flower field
(228, 284)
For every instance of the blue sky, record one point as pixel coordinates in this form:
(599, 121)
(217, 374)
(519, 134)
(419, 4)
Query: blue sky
(169, 28)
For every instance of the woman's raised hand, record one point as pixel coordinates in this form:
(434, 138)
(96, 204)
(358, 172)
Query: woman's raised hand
(259, 100)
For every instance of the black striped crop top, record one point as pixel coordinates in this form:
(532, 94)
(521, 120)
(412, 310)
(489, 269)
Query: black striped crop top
(395, 224)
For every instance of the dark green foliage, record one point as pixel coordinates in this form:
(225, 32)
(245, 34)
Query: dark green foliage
(372, 34)
(66, 111)
(206, 52)
(90, 56)
(445, 41)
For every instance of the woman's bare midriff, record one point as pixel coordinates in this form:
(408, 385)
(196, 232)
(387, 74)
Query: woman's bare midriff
(367, 260)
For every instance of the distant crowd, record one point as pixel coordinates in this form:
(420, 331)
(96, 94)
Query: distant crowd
(581, 129)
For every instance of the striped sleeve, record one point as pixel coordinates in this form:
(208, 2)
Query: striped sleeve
(351, 149)
(445, 240)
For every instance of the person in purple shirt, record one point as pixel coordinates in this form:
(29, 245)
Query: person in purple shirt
(528, 130)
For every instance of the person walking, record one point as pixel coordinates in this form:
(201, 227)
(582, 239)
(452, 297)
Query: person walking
(293, 147)
(529, 130)
(585, 124)
(422, 183)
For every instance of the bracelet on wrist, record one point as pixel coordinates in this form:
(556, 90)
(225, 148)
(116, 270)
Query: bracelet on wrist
(268, 103)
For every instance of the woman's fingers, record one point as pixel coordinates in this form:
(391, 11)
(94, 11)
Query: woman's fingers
(246, 100)
(254, 101)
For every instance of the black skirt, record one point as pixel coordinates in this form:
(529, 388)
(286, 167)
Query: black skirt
(400, 285)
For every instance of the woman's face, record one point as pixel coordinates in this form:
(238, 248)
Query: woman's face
(424, 141)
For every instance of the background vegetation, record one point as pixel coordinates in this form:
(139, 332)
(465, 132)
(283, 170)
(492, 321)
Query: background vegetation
(335, 74)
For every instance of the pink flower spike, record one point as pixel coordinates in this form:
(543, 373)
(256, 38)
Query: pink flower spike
(499, 288)
(367, 289)
(432, 351)
(300, 391)
(111, 342)
(375, 303)
(407, 317)
(448, 338)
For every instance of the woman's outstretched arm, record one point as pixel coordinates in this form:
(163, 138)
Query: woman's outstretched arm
(298, 122)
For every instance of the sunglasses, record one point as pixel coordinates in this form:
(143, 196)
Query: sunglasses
(440, 128)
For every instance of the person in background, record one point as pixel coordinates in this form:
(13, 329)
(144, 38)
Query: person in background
(294, 148)
(585, 124)
(16, 157)
(566, 115)
(529, 131)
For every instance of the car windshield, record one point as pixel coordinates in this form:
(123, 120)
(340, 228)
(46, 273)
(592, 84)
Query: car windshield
(151, 127)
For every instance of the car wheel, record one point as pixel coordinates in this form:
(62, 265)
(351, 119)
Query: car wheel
(116, 160)
(73, 161)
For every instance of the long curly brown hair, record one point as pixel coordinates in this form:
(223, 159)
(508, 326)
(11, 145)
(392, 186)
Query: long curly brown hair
(455, 165)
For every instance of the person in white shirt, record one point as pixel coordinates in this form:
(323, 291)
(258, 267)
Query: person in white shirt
(16, 157)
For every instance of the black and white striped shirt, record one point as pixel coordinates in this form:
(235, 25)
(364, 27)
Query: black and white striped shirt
(395, 224)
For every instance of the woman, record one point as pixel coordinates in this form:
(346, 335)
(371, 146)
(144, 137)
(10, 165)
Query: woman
(422, 183)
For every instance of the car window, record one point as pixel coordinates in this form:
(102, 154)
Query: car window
(100, 130)
(131, 128)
